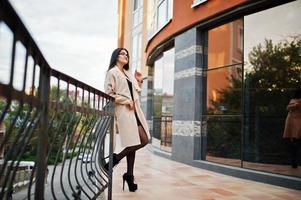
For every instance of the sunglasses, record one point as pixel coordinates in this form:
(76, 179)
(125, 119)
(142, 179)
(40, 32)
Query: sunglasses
(124, 54)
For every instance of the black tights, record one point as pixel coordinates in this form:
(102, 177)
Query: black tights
(295, 144)
(130, 152)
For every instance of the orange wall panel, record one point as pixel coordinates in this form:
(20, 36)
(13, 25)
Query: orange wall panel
(184, 17)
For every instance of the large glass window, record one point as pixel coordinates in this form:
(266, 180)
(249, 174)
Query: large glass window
(137, 35)
(137, 12)
(253, 73)
(164, 12)
(163, 100)
(159, 12)
(158, 91)
(136, 52)
(272, 43)
(224, 90)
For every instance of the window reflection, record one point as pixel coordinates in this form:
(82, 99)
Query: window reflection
(136, 52)
(272, 73)
(224, 138)
(162, 13)
(223, 55)
(159, 12)
(270, 42)
(224, 116)
(163, 99)
(137, 12)
(158, 84)
(224, 90)
(224, 44)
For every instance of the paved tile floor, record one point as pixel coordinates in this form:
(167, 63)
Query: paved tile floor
(162, 179)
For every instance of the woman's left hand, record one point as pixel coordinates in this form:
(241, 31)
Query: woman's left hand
(131, 105)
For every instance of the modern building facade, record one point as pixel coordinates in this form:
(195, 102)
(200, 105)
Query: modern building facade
(219, 77)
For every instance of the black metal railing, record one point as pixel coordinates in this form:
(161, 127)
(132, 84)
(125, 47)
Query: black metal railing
(163, 129)
(53, 128)
(166, 130)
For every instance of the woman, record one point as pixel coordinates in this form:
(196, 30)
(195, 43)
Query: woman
(130, 120)
(293, 126)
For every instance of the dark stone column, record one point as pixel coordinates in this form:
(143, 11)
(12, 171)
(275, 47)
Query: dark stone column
(190, 60)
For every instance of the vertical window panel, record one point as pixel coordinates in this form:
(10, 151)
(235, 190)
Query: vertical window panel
(272, 46)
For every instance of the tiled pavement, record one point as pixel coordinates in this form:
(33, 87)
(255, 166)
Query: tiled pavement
(162, 179)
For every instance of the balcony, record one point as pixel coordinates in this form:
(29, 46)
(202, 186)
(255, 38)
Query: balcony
(56, 134)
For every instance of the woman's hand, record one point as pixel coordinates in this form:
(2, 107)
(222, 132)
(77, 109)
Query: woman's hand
(138, 76)
(131, 105)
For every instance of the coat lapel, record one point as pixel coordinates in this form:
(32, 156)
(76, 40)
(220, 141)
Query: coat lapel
(134, 84)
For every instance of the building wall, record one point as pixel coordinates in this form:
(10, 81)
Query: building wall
(126, 30)
(126, 40)
(184, 17)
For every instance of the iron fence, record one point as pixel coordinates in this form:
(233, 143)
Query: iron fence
(53, 128)
(163, 129)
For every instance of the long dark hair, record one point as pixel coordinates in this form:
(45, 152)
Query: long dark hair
(114, 58)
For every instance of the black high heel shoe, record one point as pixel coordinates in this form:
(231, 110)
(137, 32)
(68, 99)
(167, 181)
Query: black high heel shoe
(115, 162)
(130, 181)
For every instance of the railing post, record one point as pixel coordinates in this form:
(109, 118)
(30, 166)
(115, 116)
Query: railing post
(41, 162)
(111, 148)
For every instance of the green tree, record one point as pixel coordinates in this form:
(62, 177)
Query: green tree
(275, 74)
(62, 123)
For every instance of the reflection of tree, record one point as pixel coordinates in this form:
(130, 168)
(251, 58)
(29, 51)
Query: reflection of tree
(224, 131)
(229, 98)
(275, 71)
(224, 136)
(275, 67)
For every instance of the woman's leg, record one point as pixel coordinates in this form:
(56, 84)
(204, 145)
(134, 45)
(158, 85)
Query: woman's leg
(294, 151)
(127, 150)
(143, 136)
(130, 152)
(130, 159)
(131, 156)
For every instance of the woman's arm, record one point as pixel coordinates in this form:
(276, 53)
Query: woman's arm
(110, 84)
(293, 104)
(139, 79)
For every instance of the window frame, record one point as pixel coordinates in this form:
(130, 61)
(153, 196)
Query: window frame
(196, 3)
(137, 13)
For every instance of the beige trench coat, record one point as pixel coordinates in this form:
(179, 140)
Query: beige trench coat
(116, 85)
(293, 120)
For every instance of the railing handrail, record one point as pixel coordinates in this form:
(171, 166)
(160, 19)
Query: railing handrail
(13, 21)
(79, 84)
